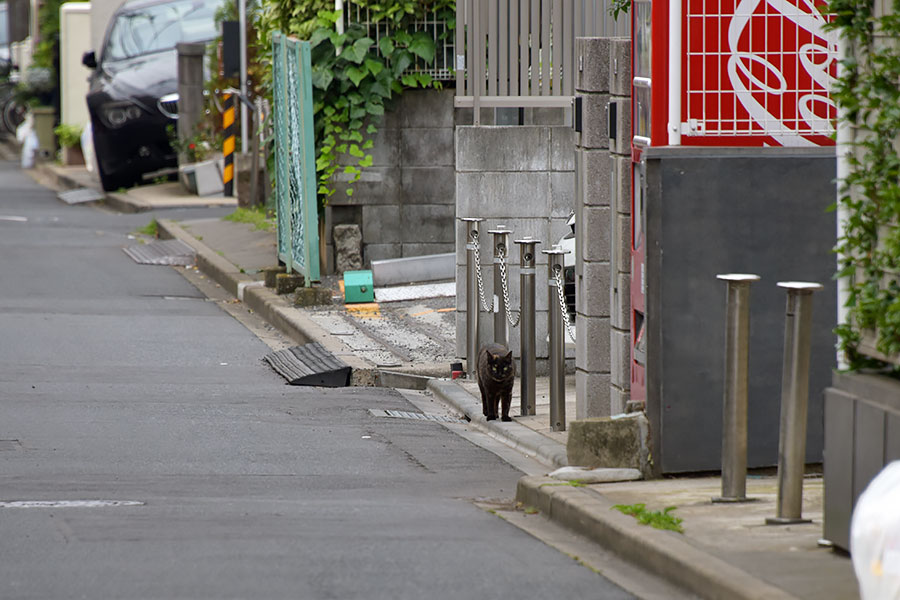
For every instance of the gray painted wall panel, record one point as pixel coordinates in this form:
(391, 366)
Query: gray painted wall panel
(713, 211)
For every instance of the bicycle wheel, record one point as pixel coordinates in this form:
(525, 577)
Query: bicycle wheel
(13, 114)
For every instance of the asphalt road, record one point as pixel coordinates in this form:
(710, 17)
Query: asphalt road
(122, 383)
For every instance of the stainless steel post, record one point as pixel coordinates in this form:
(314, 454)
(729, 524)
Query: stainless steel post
(794, 401)
(734, 403)
(557, 341)
(526, 323)
(472, 307)
(501, 247)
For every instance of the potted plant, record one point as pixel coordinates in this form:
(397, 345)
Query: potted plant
(69, 138)
(199, 170)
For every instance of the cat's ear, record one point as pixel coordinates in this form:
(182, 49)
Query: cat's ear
(508, 355)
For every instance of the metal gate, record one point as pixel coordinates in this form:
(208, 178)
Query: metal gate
(295, 157)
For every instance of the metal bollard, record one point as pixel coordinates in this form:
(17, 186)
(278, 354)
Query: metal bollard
(794, 400)
(501, 250)
(472, 307)
(557, 341)
(734, 403)
(526, 331)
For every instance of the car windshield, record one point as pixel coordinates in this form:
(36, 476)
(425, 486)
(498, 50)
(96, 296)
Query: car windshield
(160, 27)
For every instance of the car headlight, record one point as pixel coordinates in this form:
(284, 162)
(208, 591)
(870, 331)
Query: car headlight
(116, 114)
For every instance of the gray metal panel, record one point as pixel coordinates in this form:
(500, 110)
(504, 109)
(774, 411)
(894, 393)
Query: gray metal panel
(434, 267)
(838, 467)
(752, 210)
(868, 446)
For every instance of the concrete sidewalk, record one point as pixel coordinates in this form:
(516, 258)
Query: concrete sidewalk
(726, 551)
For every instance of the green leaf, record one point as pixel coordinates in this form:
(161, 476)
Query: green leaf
(401, 62)
(422, 46)
(357, 74)
(367, 161)
(358, 51)
(371, 129)
(349, 191)
(386, 46)
(355, 151)
(375, 67)
(321, 78)
(373, 108)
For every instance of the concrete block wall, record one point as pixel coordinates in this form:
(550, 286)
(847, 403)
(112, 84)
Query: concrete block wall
(522, 177)
(603, 206)
(404, 203)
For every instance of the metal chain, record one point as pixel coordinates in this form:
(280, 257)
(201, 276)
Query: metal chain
(484, 304)
(562, 302)
(504, 281)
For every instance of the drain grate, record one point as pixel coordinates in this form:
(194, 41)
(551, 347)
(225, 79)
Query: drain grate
(79, 195)
(402, 414)
(166, 252)
(310, 364)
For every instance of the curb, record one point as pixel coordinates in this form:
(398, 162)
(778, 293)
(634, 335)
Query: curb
(528, 441)
(280, 313)
(665, 553)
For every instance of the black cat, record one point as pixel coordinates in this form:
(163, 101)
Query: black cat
(496, 371)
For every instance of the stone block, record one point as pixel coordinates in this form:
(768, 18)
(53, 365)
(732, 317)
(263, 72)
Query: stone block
(610, 443)
(376, 185)
(591, 396)
(595, 288)
(269, 274)
(312, 296)
(499, 195)
(596, 180)
(620, 66)
(621, 143)
(285, 283)
(595, 132)
(428, 185)
(623, 241)
(381, 224)
(347, 247)
(594, 228)
(622, 178)
(419, 249)
(426, 147)
(562, 149)
(426, 108)
(618, 399)
(592, 64)
(620, 302)
(380, 252)
(620, 358)
(503, 149)
(427, 223)
(562, 194)
(592, 344)
(385, 150)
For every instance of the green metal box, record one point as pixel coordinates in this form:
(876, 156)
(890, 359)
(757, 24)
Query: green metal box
(358, 287)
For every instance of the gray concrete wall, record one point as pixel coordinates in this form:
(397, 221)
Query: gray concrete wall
(522, 177)
(603, 208)
(405, 202)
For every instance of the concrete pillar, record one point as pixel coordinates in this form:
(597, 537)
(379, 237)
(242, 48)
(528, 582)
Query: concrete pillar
(190, 89)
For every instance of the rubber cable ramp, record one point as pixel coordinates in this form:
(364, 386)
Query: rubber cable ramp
(310, 364)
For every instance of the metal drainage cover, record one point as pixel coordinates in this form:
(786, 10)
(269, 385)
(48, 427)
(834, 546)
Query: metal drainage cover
(167, 252)
(79, 195)
(402, 414)
(310, 364)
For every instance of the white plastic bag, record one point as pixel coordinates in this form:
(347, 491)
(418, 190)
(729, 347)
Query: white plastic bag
(29, 148)
(875, 537)
(87, 147)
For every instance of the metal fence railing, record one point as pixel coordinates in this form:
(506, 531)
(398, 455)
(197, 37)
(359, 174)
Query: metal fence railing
(518, 53)
(295, 157)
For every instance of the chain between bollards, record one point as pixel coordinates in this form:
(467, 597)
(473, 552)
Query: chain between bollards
(794, 401)
(734, 403)
(473, 283)
(526, 322)
(501, 324)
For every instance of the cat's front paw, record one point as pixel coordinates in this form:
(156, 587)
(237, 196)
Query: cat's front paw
(506, 418)
(490, 418)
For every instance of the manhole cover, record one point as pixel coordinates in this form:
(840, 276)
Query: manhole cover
(166, 252)
(402, 414)
(79, 195)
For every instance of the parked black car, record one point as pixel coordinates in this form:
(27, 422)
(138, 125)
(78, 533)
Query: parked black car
(133, 89)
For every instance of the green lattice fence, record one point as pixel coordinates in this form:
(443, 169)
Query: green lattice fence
(295, 157)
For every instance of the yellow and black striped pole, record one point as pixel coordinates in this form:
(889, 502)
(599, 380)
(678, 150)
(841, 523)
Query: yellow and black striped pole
(228, 147)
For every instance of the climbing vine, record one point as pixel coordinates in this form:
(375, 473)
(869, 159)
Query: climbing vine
(355, 78)
(868, 93)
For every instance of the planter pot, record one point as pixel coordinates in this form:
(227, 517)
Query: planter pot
(72, 155)
(202, 178)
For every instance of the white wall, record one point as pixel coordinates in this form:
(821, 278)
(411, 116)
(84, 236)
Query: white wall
(101, 11)
(74, 41)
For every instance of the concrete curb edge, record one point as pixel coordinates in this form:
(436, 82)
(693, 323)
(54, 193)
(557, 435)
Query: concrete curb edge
(589, 513)
(512, 434)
